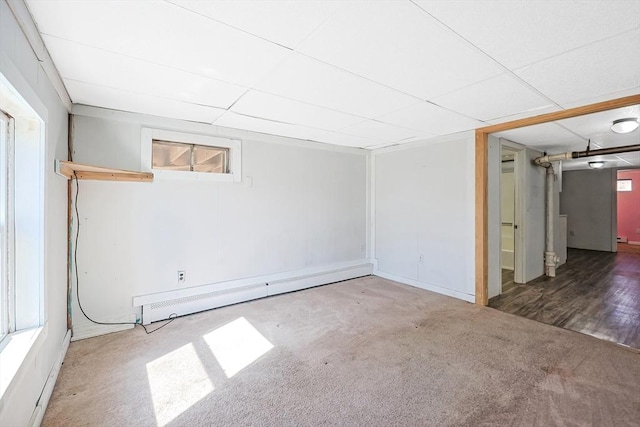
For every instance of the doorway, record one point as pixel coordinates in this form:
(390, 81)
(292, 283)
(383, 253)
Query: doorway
(628, 212)
(508, 224)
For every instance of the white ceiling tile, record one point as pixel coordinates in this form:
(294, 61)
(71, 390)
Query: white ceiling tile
(601, 98)
(517, 33)
(311, 81)
(378, 130)
(397, 44)
(238, 121)
(284, 22)
(538, 135)
(600, 123)
(496, 97)
(632, 157)
(527, 114)
(598, 69)
(609, 162)
(430, 118)
(100, 96)
(271, 107)
(90, 65)
(349, 140)
(162, 33)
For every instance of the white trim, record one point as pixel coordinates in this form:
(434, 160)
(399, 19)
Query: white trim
(371, 207)
(201, 128)
(240, 283)
(27, 25)
(234, 146)
(426, 286)
(161, 306)
(47, 391)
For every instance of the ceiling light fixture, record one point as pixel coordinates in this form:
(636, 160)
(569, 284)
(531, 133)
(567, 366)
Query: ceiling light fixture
(596, 165)
(625, 125)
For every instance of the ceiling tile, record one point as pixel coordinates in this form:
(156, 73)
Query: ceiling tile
(527, 114)
(595, 70)
(162, 33)
(90, 65)
(283, 22)
(271, 107)
(378, 130)
(517, 33)
(100, 96)
(314, 82)
(430, 118)
(494, 98)
(349, 140)
(633, 158)
(610, 162)
(238, 121)
(600, 123)
(539, 135)
(397, 44)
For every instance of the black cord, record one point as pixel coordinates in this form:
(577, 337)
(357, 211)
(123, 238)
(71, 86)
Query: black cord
(172, 316)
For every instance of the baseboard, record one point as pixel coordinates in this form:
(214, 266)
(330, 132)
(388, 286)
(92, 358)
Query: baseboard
(89, 329)
(47, 391)
(426, 286)
(181, 302)
(633, 242)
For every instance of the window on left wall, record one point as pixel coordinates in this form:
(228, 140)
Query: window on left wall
(22, 169)
(6, 307)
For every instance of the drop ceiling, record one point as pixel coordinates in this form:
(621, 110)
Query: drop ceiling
(365, 74)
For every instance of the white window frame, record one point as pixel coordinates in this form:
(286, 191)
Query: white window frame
(7, 281)
(146, 151)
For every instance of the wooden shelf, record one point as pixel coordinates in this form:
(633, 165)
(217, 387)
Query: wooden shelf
(80, 171)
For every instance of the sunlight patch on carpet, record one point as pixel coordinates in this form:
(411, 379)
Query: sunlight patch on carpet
(177, 381)
(236, 345)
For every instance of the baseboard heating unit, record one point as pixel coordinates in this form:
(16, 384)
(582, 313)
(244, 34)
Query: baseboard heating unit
(161, 306)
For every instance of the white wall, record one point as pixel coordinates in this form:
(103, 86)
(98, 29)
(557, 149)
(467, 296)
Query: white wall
(300, 205)
(588, 199)
(424, 205)
(534, 214)
(24, 72)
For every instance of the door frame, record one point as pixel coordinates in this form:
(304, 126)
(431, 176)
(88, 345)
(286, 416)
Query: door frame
(482, 173)
(518, 211)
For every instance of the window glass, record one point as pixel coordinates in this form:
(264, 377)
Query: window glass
(179, 156)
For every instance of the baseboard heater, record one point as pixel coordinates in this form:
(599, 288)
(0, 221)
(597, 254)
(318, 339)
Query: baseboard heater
(161, 306)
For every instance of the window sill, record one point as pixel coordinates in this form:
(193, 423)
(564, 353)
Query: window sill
(15, 352)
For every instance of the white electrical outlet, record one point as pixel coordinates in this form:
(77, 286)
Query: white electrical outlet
(421, 258)
(182, 276)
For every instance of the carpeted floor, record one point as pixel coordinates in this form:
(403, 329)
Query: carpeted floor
(362, 352)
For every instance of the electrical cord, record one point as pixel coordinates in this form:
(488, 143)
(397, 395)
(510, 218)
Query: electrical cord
(172, 316)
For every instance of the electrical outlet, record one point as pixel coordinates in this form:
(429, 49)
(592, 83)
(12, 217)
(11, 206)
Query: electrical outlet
(182, 276)
(421, 258)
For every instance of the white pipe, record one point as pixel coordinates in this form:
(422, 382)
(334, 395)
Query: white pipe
(545, 161)
(550, 257)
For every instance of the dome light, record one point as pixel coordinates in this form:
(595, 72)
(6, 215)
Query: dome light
(625, 125)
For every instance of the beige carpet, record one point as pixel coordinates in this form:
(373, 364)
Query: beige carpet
(362, 352)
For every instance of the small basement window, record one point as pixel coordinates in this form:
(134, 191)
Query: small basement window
(178, 156)
(185, 156)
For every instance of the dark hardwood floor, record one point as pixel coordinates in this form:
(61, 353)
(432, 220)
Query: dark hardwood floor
(595, 293)
(507, 280)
